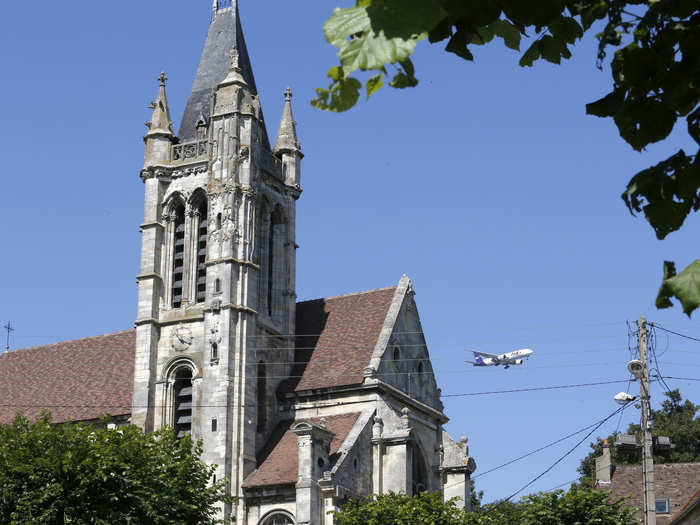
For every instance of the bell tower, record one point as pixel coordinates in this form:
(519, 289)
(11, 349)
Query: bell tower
(216, 288)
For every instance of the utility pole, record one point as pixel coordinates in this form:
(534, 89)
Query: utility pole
(9, 329)
(647, 452)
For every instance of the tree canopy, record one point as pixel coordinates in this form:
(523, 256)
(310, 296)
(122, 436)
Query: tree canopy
(72, 473)
(580, 506)
(655, 74)
(675, 419)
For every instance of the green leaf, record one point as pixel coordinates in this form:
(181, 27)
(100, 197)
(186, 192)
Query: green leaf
(607, 106)
(685, 287)
(508, 32)
(458, 45)
(345, 23)
(405, 19)
(374, 84)
(340, 96)
(663, 299)
(405, 78)
(666, 192)
(532, 54)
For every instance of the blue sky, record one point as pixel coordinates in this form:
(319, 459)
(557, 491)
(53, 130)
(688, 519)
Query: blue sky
(487, 185)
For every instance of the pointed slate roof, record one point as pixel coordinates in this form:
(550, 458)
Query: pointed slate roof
(287, 135)
(161, 121)
(225, 33)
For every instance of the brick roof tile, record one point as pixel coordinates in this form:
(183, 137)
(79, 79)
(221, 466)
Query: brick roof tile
(279, 459)
(336, 337)
(76, 380)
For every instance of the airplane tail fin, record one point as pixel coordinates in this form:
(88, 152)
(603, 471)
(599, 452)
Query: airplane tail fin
(479, 359)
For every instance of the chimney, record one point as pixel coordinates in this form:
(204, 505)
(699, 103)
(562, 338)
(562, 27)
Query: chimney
(603, 467)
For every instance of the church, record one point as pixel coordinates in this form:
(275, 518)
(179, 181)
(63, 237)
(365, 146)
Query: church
(300, 405)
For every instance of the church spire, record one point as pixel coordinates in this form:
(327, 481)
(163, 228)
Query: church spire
(225, 34)
(287, 134)
(161, 122)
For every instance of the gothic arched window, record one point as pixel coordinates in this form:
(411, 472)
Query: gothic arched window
(182, 401)
(262, 396)
(277, 518)
(201, 233)
(178, 254)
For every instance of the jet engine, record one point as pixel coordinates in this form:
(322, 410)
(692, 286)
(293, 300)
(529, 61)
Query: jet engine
(518, 362)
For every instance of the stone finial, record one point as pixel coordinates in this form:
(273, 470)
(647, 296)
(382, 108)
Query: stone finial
(288, 94)
(405, 418)
(235, 75)
(162, 78)
(235, 57)
(377, 427)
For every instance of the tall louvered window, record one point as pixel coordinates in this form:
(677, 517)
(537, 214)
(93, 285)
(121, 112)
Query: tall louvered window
(201, 292)
(182, 402)
(178, 256)
(262, 396)
(270, 264)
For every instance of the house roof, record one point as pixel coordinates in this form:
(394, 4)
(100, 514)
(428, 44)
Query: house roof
(692, 503)
(336, 337)
(75, 380)
(279, 459)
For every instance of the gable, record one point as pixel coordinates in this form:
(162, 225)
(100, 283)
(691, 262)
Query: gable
(76, 380)
(401, 356)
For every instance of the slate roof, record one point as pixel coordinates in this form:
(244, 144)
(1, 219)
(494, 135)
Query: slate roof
(225, 33)
(279, 459)
(336, 337)
(76, 380)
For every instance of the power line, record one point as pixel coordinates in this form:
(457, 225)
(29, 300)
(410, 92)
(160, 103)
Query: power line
(683, 378)
(535, 451)
(339, 403)
(600, 424)
(533, 389)
(656, 325)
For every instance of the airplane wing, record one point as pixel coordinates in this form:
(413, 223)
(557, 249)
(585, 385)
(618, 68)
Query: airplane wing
(484, 354)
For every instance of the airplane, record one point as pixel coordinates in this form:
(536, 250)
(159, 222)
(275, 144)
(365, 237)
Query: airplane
(511, 358)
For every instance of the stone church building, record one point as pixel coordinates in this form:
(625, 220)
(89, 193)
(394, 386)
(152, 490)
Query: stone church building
(301, 405)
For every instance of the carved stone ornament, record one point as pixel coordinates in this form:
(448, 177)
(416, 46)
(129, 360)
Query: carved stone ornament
(181, 338)
(192, 170)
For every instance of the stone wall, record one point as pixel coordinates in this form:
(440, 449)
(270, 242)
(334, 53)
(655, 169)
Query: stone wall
(675, 482)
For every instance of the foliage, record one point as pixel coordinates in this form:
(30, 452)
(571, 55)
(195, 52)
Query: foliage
(400, 509)
(676, 419)
(72, 473)
(578, 506)
(655, 77)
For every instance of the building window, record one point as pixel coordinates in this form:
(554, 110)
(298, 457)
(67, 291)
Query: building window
(277, 518)
(201, 285)
(662, 506)
(396, 358)
(182, 400)
(262, 396)
(214, 353)
(178, 255)
(214, 426)
(217, 286)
